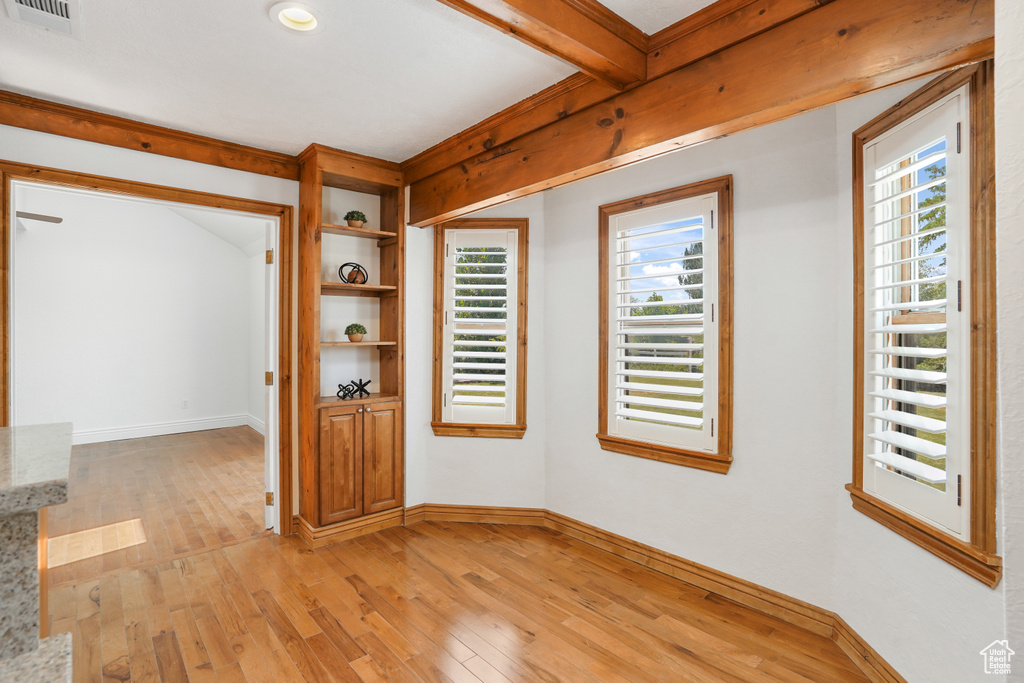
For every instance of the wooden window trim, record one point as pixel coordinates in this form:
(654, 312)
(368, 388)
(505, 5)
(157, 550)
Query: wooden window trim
(721, 461)
(977, 558)
(492, 431)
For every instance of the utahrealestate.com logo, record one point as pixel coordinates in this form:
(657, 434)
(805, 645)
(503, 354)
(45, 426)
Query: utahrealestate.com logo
(997, 657)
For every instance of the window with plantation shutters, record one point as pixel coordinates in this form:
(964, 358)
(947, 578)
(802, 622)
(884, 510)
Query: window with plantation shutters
(924, 410)
(916, 319)
(481, 302)
(661, 329)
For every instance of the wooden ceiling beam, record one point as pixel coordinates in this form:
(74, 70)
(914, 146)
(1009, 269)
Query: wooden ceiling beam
(705, 32)
(842, 49)
(22, 111)
(717, 27)
(582, 32)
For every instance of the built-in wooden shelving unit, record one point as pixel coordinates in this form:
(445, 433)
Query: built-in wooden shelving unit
(348, 289)
(358, 343)
(334, 401)
(357, 232)
(351, 452)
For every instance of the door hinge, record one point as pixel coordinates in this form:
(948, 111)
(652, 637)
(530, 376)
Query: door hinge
(270, 256)
(446, 317)
(269, 379)
(712, 219)
(712, 313)
(959, 295)
(957, 137)
(270, 498)
(444, 400)
(712, 426)
(959, 489)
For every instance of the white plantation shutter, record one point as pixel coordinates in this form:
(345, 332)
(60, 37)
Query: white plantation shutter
(663, 332)
(916, 317)
(480, 298)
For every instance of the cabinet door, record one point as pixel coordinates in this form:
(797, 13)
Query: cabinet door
(341, 464)
(383, 457)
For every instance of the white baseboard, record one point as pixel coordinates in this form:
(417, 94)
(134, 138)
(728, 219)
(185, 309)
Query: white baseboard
(159, 429)
(257, 424)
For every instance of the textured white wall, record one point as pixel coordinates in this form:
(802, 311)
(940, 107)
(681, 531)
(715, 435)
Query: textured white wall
(1010, 275)
(791, 459)
(120, 314)
(462, 470)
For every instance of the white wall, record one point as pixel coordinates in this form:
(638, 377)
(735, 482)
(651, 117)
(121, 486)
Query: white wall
(776, 502)
(1010, 277)
(781, 517)
(464, 470)
(122, 314)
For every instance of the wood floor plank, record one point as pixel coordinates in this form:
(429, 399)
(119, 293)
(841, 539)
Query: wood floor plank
(169, 661)
(293, 642)
(335, 664)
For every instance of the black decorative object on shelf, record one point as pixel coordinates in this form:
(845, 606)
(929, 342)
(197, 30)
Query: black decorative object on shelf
(355, 274)
(356, 389)
(360, 387)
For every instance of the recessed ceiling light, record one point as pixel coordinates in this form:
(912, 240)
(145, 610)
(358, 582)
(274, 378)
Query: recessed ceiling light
(295, 16)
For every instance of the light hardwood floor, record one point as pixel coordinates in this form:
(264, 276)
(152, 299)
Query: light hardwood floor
(138, 502)
(210, 597)
(433, 602)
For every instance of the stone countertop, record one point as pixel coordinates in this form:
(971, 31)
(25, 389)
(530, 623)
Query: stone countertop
(35, 463)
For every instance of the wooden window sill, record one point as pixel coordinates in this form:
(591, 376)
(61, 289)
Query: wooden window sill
(983, 566)
(478, 430)
(710, 462)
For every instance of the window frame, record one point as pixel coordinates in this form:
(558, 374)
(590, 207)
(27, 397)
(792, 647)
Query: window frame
(485, 430)
(721, 460)
(975, 556)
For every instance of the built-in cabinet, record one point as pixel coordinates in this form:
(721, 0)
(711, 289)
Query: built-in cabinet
(351, 452)
(361, 462)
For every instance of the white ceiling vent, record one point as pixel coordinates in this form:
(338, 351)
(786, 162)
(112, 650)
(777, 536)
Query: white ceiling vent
(59, 16)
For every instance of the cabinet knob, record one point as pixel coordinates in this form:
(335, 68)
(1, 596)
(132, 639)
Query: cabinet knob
(367, 410)
(359, 410)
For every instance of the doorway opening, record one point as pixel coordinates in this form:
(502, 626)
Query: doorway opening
(157, 322)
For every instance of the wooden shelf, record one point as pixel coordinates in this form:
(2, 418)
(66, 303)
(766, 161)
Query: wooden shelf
(347, 289)
(359, 343)
(334, 401)
(356, 232)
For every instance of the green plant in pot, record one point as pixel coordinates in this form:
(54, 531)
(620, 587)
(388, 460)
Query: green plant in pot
(355, 332)
(355, 219)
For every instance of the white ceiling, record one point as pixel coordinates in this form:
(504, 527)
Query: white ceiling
(650, 16)
(247, 233)
(388, 78)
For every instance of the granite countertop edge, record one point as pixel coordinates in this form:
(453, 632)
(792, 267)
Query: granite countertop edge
(32, 497)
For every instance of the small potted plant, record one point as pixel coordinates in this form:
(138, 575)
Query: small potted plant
(355, 332)
(355, 219)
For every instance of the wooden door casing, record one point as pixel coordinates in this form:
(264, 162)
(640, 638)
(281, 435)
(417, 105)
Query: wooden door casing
(383, 480)
(341, 464)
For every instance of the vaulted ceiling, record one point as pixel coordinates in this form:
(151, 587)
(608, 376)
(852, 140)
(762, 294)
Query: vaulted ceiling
(387, 78)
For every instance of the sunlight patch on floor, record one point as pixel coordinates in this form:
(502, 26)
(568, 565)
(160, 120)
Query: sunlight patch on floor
(80, 545)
